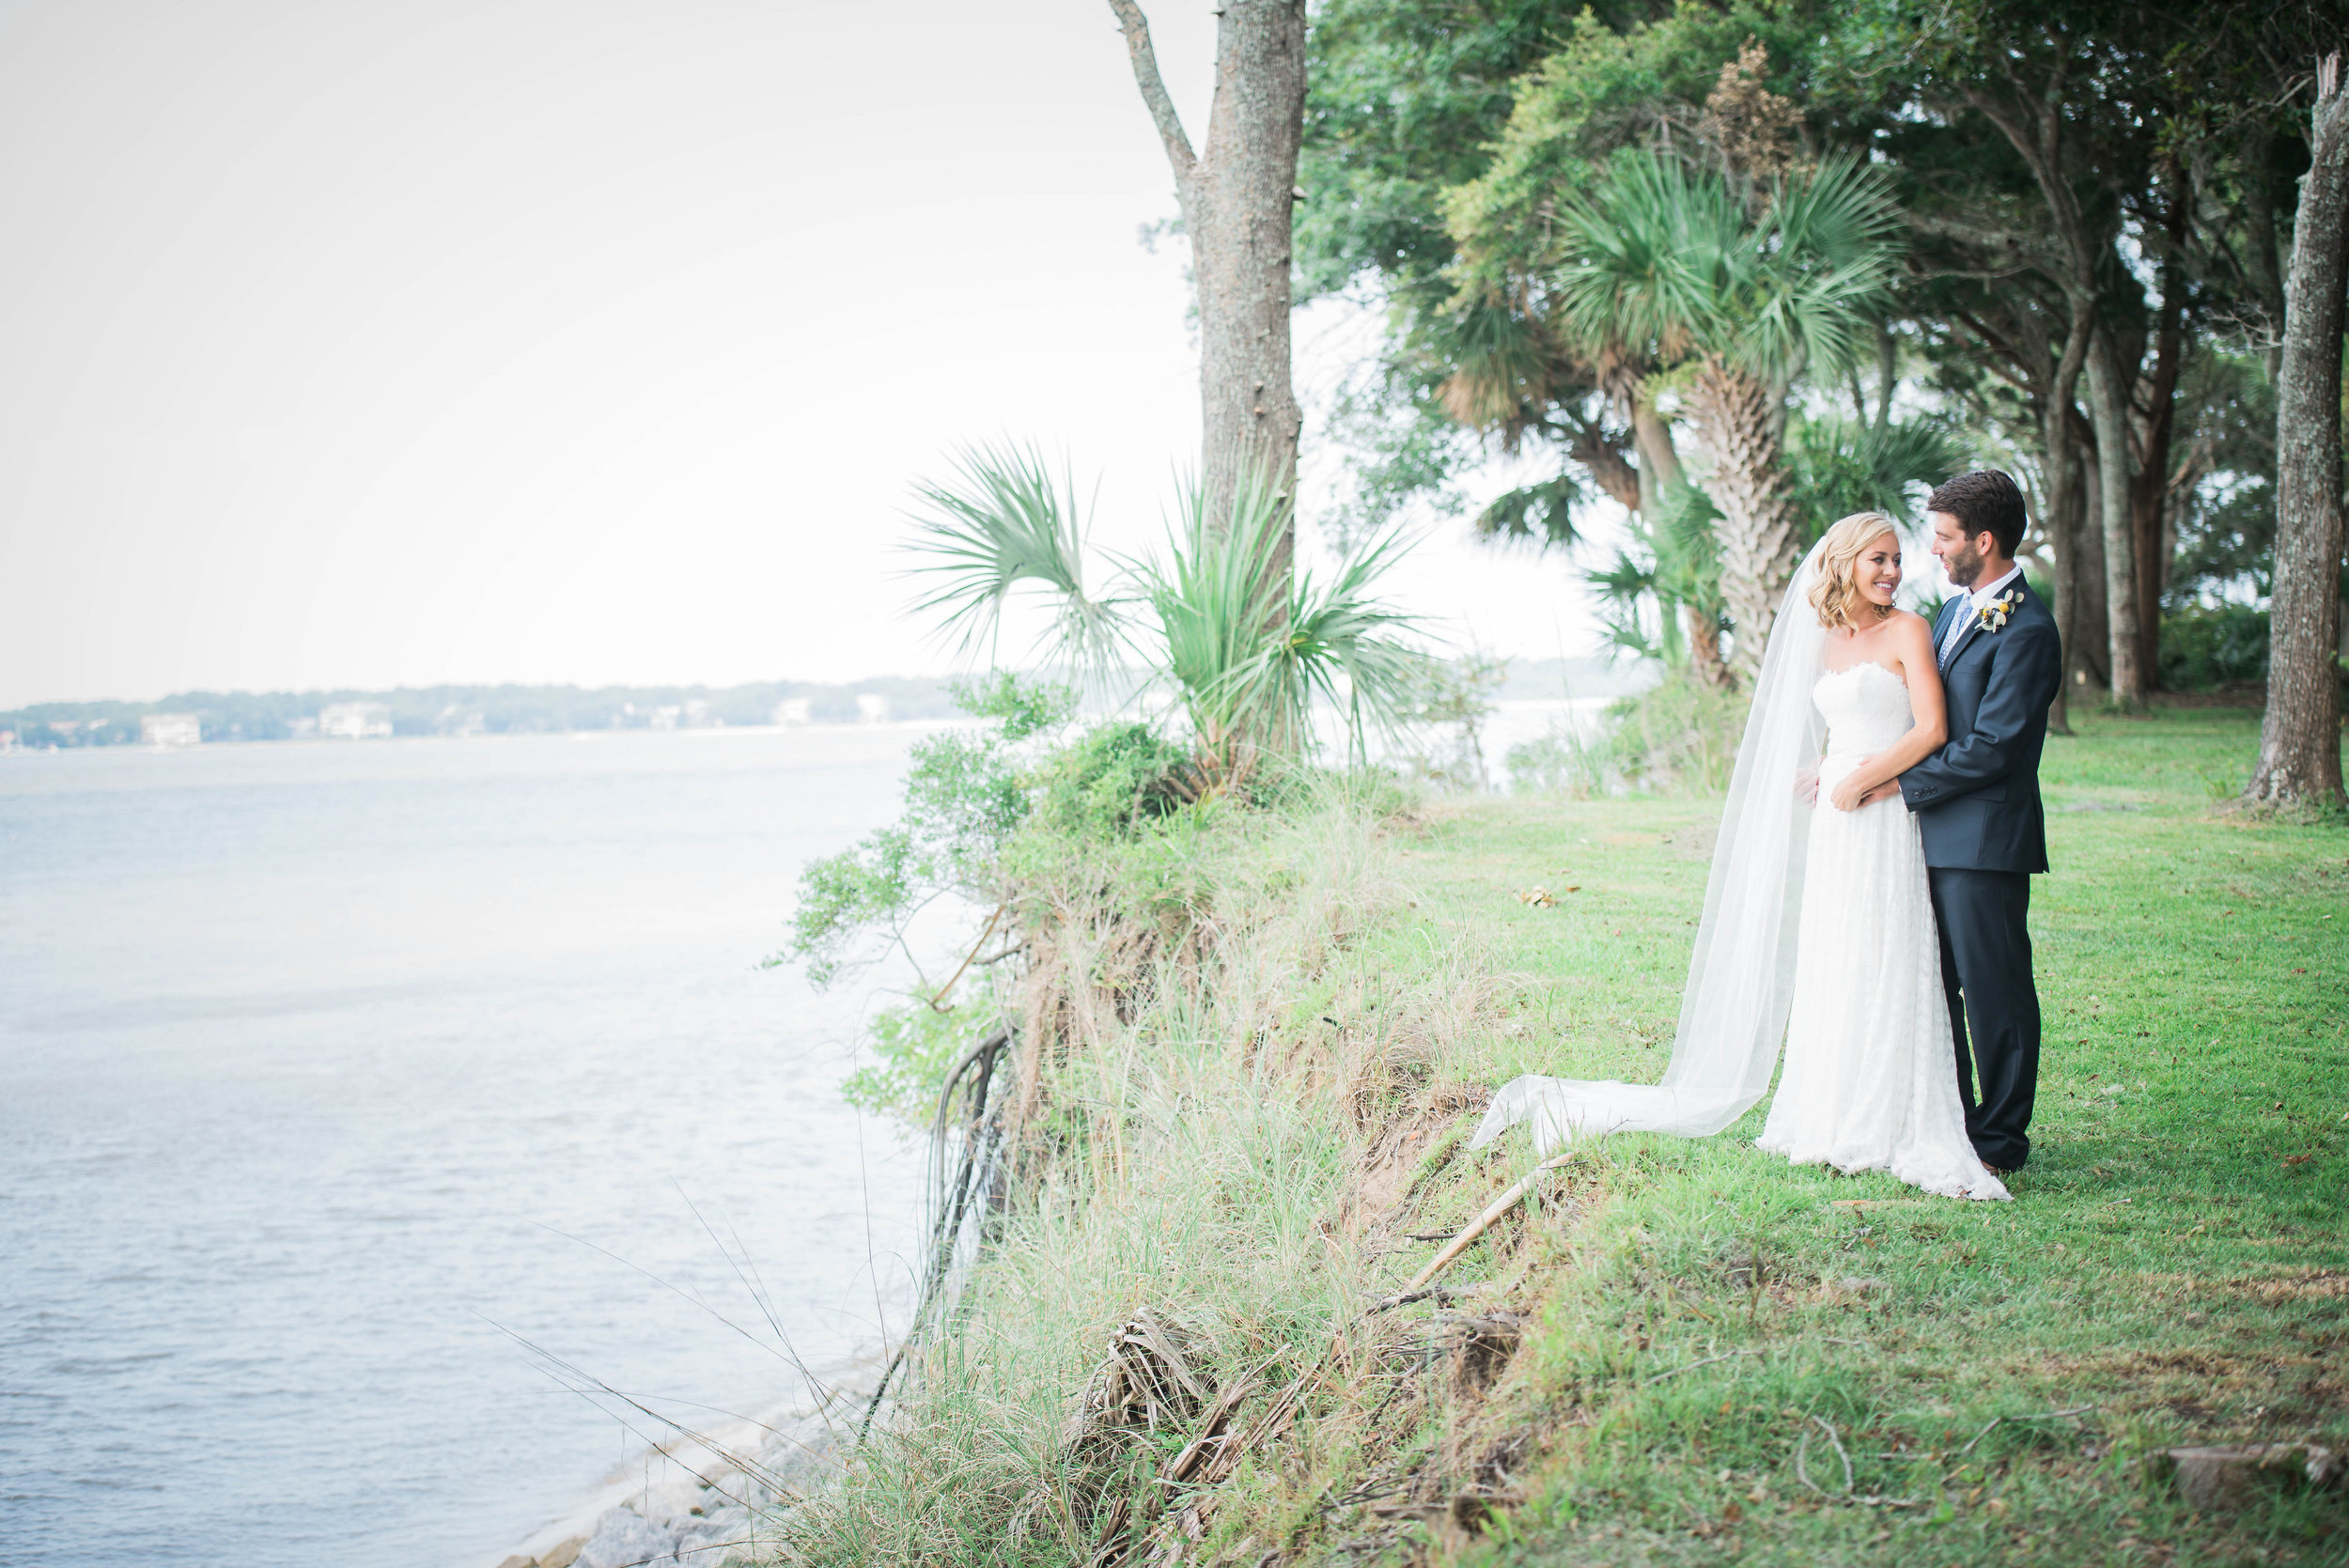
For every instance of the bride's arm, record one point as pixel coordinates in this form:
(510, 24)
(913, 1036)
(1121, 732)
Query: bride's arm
(1912, 644)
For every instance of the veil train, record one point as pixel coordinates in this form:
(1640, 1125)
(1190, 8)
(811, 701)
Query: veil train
(1741, 978)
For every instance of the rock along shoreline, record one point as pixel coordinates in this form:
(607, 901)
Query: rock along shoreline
(719, 1500)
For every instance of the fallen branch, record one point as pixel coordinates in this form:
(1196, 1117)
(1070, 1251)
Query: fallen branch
(937, 1002)
(1728, 1356)
(1803, 1473)
(2047, 1415)
(1483, 1222)
(1803, 1447)
(1438, 1293)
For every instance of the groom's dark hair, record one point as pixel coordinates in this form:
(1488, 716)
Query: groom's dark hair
(1987, 502)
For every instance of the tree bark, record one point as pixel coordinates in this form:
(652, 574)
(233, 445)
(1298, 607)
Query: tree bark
(2149, 492)
(1659, 460)
(2300, 736)
(1237, 195)
(1704, 648)
(1605, 461)
(2059, 462)
(2108, 411)
(2089, 657)
(1737, 417)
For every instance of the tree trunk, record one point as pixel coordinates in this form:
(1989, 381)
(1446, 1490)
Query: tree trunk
(2149, 493)
(2088, 659)
(1659, 460)
(2300, 736)
(1604, 459)
(1736, 418)
(1704, 648)
(2059, 462)
(2108, 405)
(2059, 523)
(1237, 195)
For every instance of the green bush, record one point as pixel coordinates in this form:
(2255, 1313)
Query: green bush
(2207, 648)
(913, 1046)
(965, 796)
(1107, 779)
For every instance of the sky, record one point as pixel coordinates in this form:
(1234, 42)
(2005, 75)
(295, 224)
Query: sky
(374, 345)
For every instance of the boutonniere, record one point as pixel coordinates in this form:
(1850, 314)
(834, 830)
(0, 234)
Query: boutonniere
(1993, 615)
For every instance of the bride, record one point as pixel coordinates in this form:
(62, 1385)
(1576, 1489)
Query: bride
(1817, 928)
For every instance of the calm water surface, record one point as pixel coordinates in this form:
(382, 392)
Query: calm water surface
(330, 1073)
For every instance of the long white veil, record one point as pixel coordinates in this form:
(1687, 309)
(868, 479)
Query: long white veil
(1741, 979)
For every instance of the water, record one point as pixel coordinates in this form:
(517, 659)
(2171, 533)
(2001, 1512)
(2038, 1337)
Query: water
(312, 1061)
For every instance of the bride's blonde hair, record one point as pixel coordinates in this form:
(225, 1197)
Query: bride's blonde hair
(1836, 594)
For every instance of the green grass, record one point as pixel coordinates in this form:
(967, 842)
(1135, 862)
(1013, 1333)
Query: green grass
(2177, 1256)
(1242, 1129)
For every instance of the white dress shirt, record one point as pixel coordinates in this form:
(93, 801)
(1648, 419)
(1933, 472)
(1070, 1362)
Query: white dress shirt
(1974, 601)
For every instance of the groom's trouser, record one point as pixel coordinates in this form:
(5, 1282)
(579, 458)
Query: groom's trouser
(1994, 1006)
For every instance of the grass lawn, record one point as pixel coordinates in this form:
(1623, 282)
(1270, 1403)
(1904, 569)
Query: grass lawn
(2174, 1268)
(1255, 1046)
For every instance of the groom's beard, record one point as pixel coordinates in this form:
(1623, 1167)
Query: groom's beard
(1964, 568)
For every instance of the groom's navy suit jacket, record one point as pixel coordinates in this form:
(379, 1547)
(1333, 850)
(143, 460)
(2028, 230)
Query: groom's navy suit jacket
(1977, 799)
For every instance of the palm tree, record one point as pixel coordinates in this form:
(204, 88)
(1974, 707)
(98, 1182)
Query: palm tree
(1741, 303)
(1673, 563)
(1670, 575)
(1241, 648)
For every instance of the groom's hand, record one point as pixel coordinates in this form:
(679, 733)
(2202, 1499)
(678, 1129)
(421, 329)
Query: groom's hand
(1806, 785)
(1884, 791)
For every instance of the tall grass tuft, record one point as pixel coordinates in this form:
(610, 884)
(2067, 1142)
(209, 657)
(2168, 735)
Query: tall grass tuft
(1207, 1043)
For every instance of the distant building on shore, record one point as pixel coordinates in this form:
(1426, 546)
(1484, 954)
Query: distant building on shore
(793, 710)
(171, 729)
(872, 709)
(355, 721)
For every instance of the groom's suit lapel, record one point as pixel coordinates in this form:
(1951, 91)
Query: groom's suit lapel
(1966, 607)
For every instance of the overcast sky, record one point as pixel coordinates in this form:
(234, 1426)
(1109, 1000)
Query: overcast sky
(377, 343)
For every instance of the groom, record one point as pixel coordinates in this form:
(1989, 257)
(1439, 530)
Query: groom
(1977, 804)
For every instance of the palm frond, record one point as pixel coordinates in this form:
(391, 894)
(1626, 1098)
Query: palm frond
(999, 521)
(1249, 650)
(1541, 514)
(1842, 466)
(1504, 364)
(1668, 257)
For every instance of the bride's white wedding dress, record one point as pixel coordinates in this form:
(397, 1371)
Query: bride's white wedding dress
(1870, 1076)
(1818, 934)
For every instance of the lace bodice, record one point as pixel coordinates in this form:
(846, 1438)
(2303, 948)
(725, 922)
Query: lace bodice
(1864, 712)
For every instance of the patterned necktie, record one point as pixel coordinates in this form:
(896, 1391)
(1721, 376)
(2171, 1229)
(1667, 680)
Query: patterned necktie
(1957, 630)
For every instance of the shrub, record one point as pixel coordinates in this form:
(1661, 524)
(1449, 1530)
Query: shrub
(2204, 647)
(1110, 779)
(913, 1046)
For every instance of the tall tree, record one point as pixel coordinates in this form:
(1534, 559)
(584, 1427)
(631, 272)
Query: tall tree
(1237, 195)
(1750, 304)
(2300, 737)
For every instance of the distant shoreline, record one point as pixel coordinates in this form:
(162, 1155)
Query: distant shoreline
(213, 718)
(206, 717)
(313, 742)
